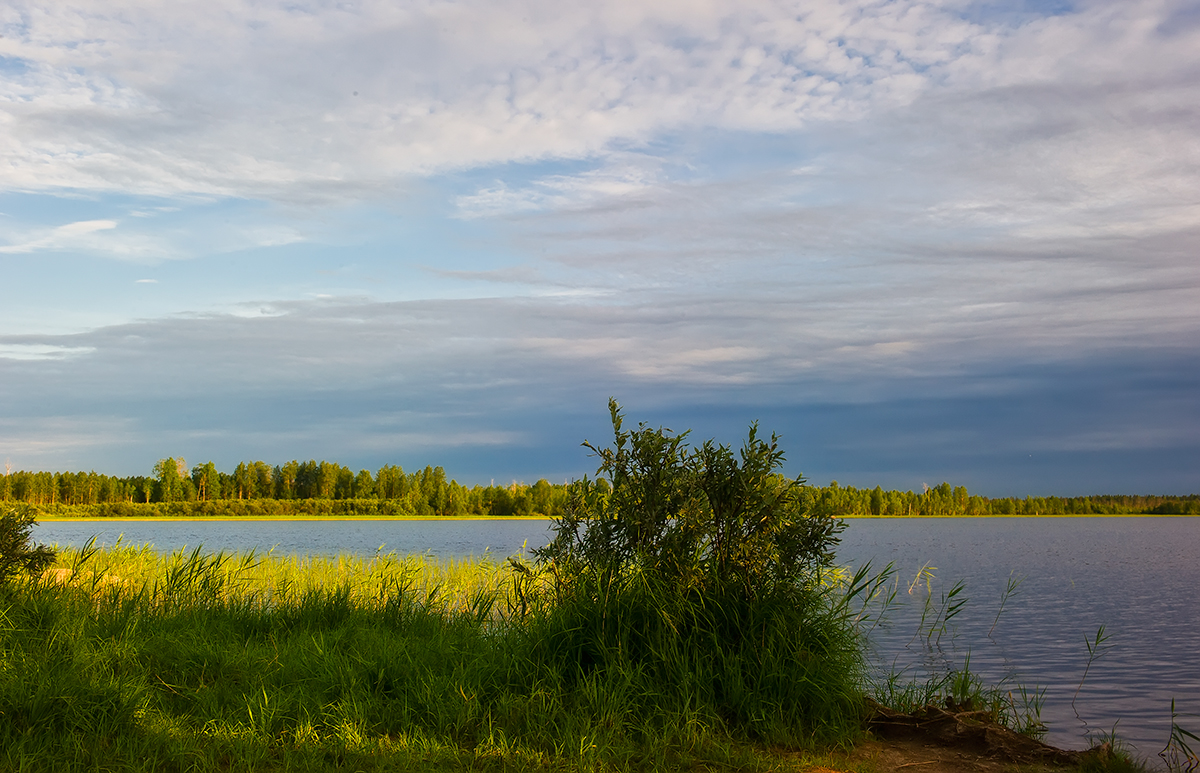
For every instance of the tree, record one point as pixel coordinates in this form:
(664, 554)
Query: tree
(285, 480)
(344, 485)
(169, 474)
(243, 480)
(264, 484)
(877, 501)
(327, 479)
(391, 482)
(364, 485)
(207, 481)
(541, 496)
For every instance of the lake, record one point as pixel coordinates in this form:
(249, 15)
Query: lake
(1137, 577)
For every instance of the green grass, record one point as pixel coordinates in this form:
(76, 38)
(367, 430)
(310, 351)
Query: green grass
(126, 659)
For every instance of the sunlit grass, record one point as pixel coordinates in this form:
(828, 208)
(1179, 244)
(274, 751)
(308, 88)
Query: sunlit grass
(128, 659)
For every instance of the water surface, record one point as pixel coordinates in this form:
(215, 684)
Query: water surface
(1137, 577)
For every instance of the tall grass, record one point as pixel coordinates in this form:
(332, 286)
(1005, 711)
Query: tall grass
(195, 661)
(685, 612)
(129, 659)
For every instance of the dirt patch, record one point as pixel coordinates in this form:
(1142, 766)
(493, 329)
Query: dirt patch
(911, 755)
(965, 731)
(948, 740)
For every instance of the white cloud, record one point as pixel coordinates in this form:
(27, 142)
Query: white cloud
(757, 199)
(15, 351)
(626, 177)
(99, 237)
(230, 98)
(64, 236)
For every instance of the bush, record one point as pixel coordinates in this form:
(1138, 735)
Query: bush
(16, 554)
(695, 585)
(694, 517)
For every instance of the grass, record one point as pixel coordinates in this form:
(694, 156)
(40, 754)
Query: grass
(126, 659)
(687, 615)
(52, 518)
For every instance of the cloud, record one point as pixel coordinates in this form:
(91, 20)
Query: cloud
(477, 385)
(454, 352)
(279, 100)
(626, 177)
(17, 351)
(904, 204)
(71, 235)
(97, 237)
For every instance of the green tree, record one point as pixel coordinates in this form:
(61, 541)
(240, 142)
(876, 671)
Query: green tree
(285, 480)
(207, 481)
(541, 496)
(264, 483)
(327, 479)
(169, 474)
(344, 487)
(243, 481)
(877, 501)
(391, 482)
(364, 485)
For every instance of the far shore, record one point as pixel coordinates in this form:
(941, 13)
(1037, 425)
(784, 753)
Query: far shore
(75, 518)
(81, 519)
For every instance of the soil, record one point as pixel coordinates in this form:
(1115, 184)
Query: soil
(911, 755)
(953, 739)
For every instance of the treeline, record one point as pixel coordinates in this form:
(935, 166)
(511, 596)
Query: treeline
(945, 500)
(327, 488)
(295, 488)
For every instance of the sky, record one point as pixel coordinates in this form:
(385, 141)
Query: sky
(919, 240)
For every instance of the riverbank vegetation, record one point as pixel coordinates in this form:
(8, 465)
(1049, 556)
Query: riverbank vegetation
(688, 614)
(327, 489)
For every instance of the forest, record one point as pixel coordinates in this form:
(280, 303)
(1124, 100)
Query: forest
(328, 488)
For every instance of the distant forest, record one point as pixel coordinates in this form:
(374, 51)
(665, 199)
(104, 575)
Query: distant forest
(328, 488)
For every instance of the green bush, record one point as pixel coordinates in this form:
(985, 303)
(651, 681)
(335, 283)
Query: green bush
(16, 554)
(696, 586)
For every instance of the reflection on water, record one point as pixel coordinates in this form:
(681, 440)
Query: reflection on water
(1135, 576)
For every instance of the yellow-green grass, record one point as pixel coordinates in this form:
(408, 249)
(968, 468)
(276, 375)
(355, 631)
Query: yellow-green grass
(128, 659)
(275, 580)
(245, 518)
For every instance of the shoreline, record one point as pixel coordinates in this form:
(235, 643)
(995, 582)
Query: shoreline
(158, 518)
(459, 518)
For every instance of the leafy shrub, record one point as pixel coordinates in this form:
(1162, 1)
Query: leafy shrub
(16, 554)
(694, 516)
(694, 585)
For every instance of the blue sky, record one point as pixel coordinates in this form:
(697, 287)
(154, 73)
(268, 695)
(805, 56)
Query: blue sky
(922, 241)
